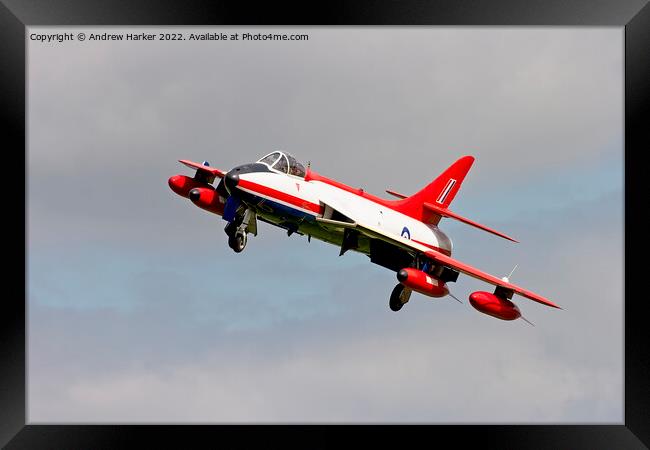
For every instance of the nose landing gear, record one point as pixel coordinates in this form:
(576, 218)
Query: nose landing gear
(238, 230)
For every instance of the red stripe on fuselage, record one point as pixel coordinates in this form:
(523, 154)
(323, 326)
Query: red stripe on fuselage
(313, 176)
(282, 196)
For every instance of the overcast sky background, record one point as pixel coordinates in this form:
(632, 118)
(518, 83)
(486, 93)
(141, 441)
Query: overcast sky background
(139, 312)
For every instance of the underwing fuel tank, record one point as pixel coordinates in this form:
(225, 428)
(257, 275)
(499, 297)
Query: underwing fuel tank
(422, 282)
(182, 185)
(494, 305)
(208, 199)
(201, 194)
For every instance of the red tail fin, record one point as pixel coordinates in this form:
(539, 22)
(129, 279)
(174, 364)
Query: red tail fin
(439, 192)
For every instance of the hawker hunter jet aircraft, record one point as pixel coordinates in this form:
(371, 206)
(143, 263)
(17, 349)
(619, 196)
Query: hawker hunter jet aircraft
(401, 235)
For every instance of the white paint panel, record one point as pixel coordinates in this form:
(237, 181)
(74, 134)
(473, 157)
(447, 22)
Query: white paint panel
(363, 210)
(356, 207)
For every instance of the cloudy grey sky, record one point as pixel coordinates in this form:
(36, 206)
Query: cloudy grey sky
(139, 312)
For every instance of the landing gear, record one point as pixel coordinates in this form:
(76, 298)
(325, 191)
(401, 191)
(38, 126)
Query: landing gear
(237, 236)
(231, 229)
(399, 297)
(238, 241)
(238, 230)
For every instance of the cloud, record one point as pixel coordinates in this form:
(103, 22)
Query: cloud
(520, 100)
(230, 352)
(360, 382)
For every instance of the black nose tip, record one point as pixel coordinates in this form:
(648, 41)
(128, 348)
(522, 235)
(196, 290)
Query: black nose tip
(402, 275)
(195, 194)
(231, 180)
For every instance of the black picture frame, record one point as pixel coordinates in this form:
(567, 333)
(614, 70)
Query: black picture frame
(16, 15)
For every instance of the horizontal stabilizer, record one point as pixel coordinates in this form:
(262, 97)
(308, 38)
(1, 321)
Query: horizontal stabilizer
(444, 212)
(395, 194)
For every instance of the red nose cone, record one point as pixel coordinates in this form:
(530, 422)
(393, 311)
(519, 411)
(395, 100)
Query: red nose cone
(422, 282)
(208, 199)
(494, 306)
(480, 298)
(182, 185)
(178, 183)
(202, 196)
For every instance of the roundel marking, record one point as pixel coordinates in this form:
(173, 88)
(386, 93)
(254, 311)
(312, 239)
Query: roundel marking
(406, 233)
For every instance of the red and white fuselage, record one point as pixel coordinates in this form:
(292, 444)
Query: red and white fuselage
(308, 198)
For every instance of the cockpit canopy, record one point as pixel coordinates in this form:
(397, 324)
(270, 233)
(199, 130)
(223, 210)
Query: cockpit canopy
(284, 162)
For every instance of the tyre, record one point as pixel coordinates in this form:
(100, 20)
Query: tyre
(395, 302)
(237, 242)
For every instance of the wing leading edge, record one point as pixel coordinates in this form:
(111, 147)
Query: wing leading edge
(438, 257)
(206, 169)
(476, 273)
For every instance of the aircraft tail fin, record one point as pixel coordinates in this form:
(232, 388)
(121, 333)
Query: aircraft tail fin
(432, 203)
(440, 192)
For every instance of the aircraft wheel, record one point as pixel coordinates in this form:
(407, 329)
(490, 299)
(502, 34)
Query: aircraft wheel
(395, 302)
(237, 242)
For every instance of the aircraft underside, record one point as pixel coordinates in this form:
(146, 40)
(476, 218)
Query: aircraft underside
(296, 221)
(301, 223)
